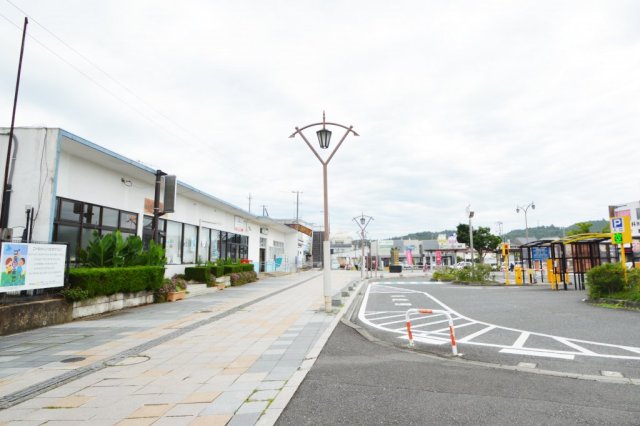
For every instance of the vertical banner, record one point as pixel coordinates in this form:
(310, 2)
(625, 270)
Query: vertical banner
(32, 266)
(409, 255)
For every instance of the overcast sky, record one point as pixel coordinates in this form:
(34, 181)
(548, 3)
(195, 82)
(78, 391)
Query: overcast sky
(489, 103)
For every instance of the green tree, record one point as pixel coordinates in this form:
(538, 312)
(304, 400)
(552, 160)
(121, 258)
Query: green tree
(483, 240)
(580, 228)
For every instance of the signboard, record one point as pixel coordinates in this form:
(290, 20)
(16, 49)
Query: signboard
(438, 257)
(540, 253)
(239, 224)
(621, 230)
(32, 266)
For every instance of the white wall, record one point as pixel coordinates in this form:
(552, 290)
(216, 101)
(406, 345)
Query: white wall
(33, 178)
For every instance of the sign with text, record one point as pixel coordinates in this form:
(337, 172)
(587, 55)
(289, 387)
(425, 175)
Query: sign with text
(540, 253)
(621, 230)
(32, 266)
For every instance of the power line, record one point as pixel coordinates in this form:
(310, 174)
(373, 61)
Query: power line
(157, 124)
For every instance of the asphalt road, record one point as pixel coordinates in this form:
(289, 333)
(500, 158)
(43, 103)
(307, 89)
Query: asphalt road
(359, 382)
(555, 330)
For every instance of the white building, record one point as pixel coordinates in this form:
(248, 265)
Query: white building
(77, 187)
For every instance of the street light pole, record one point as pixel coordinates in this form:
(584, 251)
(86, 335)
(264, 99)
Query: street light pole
(324, 138)
(526, 224)
(470, 213)
(362, 221)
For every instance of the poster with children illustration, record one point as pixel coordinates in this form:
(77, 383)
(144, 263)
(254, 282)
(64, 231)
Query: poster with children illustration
(14, 264)
(31, 266)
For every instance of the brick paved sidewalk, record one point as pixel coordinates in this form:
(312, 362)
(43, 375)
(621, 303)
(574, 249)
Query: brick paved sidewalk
(222, 357)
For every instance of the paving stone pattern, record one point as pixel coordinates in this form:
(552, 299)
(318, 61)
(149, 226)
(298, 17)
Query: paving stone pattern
(240, 368)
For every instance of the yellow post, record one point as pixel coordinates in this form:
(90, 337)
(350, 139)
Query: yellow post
(505, 255)
(551, 275)
(518, 275)
(623, 259)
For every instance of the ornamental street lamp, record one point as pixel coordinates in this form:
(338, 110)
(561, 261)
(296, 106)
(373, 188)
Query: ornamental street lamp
(470, 213)
(526, 224)
(324, 138)
(362, 221)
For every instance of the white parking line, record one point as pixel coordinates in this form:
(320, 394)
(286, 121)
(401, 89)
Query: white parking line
(517, 348)
(476, 334)
(536, 353)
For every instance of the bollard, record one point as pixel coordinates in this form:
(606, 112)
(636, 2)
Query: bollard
(454, 347)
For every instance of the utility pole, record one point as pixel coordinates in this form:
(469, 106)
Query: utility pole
(6, 188)
(249, 198)
(264, 211)
(297, 203)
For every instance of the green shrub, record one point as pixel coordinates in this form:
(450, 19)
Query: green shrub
(111, 250)
(443, 275)
(75, 294)
(244, 277)
(107, 281)
(604, 280)
(232, 268)
(201, 274)
(247, 267)
(217, 270)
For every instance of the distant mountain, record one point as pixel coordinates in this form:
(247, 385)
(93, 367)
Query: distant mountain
(537, 232)
(425, 235)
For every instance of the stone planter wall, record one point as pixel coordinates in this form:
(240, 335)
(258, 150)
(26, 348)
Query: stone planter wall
(26, 316)
(115, 302)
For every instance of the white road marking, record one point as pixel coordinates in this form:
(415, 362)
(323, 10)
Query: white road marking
(519, 343)
(611, 374)
(402, 304)
(536, 353)
(527, 364)
(517, 348)
(476, 334)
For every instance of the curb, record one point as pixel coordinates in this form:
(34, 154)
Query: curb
(272, 413)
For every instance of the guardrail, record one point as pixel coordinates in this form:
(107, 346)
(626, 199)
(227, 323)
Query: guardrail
(454, 347)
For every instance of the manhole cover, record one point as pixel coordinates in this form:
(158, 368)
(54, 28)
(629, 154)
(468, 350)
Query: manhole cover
(130, 360)
(73, 359)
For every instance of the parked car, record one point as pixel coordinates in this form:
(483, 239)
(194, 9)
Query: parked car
(462, 265)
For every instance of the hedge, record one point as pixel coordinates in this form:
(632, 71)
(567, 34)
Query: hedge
(107, 281)
(217, 270)
(201, 274)
(604, 280)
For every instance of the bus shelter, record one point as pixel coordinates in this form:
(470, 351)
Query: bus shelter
(573, 256)
(566, 260)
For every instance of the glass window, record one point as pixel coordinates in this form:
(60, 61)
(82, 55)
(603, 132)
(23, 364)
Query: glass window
(86, 236)
(91, 214)
(173, 242)
(215, 245)
(190, 243)
(70, 210)
(205, 240)
(110, 217)
(223, 245)
(128, 221)
(70, 235)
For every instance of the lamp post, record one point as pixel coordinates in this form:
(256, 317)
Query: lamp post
(526, 224)
(362, 221)
(470, 213)
(324, 138)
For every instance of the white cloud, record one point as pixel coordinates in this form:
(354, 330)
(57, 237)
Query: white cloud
(482, 103)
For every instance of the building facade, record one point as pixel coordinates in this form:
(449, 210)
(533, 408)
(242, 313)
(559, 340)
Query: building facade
(76, 188)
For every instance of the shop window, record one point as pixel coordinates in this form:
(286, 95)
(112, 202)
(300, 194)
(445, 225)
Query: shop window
(110, 217)
(71, 236)
(173, 242)
(91, 214)
(189, 245)
(215, 245)
(128, 221)
(70, 211)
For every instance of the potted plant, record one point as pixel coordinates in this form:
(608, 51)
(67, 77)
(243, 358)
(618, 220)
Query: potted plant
(174, 288)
